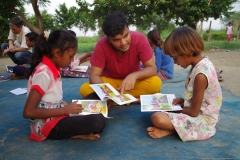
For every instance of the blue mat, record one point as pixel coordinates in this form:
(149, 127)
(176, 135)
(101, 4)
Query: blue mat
(125, 135)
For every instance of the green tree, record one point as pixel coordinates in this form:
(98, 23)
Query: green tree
(64, 18)
(190, 12)
(15, 6)
(48, 21)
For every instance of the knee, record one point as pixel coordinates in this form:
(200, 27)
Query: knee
(156, 84)
(100, 122)
(4, 46)
(157, 119)
(84, 89)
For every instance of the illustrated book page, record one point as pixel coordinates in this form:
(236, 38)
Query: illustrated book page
(92, 107)
(105, 91)
(81, 68)
(158, 102)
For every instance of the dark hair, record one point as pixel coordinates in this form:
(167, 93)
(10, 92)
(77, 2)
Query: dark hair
(32, 36)
(183, 41)
(72, 32)
(61, 39)
(155, 38)
(114, 24)
(16, 21)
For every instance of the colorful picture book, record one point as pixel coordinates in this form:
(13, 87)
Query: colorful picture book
(158, 102)
(92, 107)
(81, 68)
(9, 69)
(105, 91)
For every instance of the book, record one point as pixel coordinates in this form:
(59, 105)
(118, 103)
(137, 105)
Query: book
(105, 91)
(158, 102)
(3, 79)
(81, 68)
(19, 91)
(92, 107)
(9, 69)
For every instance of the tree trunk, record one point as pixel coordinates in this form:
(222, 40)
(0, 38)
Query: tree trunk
(238, 33)
(209, 35)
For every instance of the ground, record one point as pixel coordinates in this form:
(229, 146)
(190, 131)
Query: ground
(228, 61)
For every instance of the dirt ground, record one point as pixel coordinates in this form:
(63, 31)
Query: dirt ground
(228, 61)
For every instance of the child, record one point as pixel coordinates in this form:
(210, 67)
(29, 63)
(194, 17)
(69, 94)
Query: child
(19, 70)
(202, 98)
(164, 63)
(229, 30)
(69, 71)
(47, 112)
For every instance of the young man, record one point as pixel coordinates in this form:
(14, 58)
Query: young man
(17, 48)
(116, 60)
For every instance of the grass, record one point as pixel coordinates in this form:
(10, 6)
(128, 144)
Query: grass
(221, 45)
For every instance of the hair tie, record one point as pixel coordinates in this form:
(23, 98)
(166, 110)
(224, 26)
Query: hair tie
(46, 35)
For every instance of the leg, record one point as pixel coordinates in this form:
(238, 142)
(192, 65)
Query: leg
(162, 126)
(23, 57)
(150, 85)
(4, 46)
(84, 127)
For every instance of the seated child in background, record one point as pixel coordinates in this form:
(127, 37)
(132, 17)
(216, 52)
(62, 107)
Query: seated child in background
(19, 70)
(203, 96)
(164, 63)
(48, 114)
(70, 71)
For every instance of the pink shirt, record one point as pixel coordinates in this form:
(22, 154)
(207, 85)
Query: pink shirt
(119, 66)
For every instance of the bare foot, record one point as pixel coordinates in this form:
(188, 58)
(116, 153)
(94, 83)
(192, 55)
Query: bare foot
(88, 137)
(155, 133)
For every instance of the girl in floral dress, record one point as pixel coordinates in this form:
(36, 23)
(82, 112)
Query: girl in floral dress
(202, 98)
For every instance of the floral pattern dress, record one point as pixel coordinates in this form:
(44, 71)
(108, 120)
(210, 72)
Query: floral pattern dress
(203, 126)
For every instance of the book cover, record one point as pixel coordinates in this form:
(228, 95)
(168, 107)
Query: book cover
(81, 68)
(92, 107)
(158, 102)
(105, 91)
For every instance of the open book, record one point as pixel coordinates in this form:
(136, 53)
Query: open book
(158, 102)
(82, 68)
(92, 107)
(105, 91)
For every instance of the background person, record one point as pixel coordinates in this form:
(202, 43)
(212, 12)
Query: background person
(164, 63)
(16, 48)
(20, 70)
(229, 30)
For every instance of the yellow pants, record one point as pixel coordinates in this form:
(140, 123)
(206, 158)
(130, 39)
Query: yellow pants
(147, 86)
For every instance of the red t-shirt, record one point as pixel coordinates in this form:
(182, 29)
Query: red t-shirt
(119, 66)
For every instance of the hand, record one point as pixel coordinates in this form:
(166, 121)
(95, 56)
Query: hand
(73, 108)
(179, 101)
(127, 84)
(5, 51)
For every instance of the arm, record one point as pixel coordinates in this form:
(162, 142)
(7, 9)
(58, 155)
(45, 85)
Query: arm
(95, 75)
(148, 71)
(200, 84)
(31, 109)
(85, 57)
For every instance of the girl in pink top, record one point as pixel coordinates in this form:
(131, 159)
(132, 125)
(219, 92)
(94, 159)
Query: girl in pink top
(229, 30)
(48, 114)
